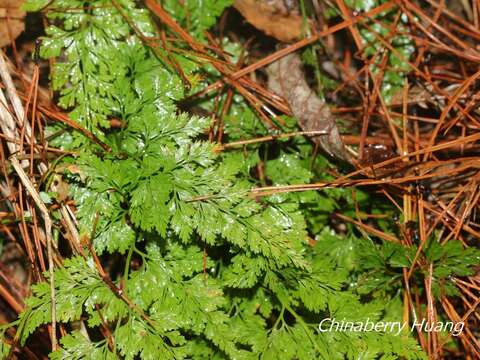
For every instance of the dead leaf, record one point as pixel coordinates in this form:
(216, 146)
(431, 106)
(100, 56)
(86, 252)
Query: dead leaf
(61, 188)
(74, 169)
(272, 17)
(11, 20)
(287, 78)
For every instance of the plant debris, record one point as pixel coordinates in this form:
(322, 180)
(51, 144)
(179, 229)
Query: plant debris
(275, 18)
(287, 78)
(11, 21)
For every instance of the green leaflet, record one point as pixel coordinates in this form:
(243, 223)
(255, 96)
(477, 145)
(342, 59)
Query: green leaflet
(396, 61)
(76, 346)
(196, 15)
(4, 347)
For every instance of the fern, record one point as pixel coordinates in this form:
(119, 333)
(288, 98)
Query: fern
(217, 274)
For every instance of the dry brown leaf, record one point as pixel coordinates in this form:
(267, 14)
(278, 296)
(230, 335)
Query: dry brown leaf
(74, 169)
(271, 17)
(287, 78)
(11, 20)
(61, 188)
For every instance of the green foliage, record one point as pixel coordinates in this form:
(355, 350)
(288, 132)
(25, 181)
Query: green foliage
(4, 347)
(449, 259)
(90, 75)
(196, 16)
(393, 32)
(202, 269)
(382, 265)
(77, 346)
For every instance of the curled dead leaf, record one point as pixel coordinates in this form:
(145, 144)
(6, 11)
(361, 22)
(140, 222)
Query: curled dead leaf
(74, 169)
(287, 79)
(61, 188)
(11, 21)
(272, 17)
